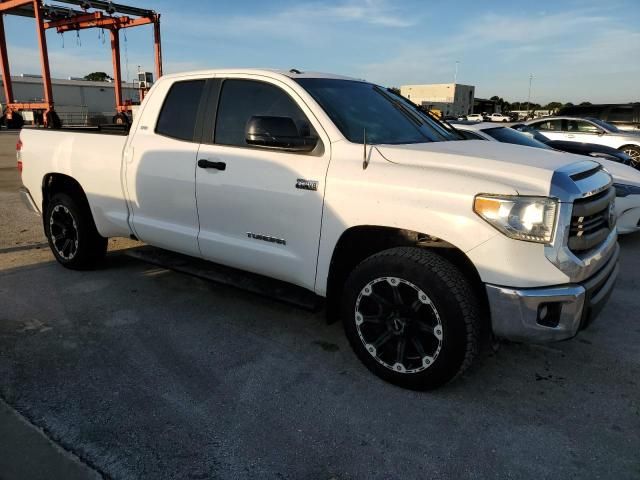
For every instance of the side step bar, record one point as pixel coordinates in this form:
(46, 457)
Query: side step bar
(251, 282)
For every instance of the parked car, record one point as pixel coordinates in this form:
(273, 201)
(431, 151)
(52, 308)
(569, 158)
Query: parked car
(589, 130)
(498, 117)
(474, 117)
(590, 149)
(421, 241)
(626, 178)
(624, 116)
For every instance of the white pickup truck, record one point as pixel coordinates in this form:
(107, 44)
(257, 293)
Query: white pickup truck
(425, 243)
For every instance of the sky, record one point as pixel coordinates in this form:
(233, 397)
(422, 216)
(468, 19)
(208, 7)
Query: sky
(576, 50)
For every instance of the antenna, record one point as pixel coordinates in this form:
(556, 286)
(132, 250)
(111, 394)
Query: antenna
(365, 160)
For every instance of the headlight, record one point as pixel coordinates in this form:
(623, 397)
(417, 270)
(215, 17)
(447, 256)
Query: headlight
(531, 219)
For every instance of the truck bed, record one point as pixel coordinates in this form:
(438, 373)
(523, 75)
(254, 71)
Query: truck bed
(90, 156)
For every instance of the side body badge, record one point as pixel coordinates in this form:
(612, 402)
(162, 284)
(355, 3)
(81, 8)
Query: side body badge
(303, 184)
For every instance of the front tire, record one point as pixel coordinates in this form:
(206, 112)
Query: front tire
(634, 152)
(411, 317)
(72, 234)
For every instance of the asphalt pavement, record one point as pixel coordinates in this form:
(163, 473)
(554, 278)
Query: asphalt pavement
(135, 371)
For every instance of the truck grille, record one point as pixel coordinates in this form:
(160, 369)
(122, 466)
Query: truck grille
(591, 221)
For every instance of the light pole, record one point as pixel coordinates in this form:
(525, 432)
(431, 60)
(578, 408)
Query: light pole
(529, 96)
(455, 75)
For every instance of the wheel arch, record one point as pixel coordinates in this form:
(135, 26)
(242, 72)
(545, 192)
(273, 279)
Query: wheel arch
(360, 242)
(629, 145)
(53, 183)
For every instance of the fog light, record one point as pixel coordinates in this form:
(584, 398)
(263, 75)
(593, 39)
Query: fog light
(549, 314)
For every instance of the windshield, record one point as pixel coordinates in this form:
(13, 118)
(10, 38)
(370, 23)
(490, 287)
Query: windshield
(356, 107)
(605, 125)
(509, 135)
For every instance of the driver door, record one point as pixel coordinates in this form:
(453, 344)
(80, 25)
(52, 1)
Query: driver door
(260, 209)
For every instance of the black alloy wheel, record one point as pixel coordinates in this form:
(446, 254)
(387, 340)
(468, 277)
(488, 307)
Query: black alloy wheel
(72, 233)
(412, 317)
(63, 230)
(398, 324)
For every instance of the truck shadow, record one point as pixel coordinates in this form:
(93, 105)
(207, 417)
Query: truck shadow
(134, 349)
(140, 368)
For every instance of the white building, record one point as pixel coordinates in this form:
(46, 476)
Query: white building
(76, 101)
(449, 98)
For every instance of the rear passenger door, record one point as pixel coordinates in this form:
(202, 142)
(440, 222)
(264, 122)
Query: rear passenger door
(261, 209)
(160, 163)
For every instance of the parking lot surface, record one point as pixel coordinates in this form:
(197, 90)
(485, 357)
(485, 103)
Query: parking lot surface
(141, 372)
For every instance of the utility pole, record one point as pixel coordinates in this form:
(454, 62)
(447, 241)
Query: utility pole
(455, 75)
(529, 96)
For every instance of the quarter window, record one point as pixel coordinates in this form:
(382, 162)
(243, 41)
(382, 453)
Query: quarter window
(180, 110)
(242, 99)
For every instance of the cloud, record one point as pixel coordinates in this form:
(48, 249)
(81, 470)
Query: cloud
(304, 22)
(587, 52)
(569, 52)
(369, 11)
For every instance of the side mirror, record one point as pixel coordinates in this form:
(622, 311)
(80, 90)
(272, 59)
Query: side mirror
(601, 133)
(279, 133)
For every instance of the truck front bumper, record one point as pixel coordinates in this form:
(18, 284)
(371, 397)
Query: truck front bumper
(27, 199)
(550, 314)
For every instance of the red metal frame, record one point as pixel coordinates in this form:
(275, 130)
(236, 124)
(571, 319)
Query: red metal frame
(78, 21)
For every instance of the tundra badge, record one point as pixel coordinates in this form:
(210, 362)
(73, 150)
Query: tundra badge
(266, 238)
(303, 184)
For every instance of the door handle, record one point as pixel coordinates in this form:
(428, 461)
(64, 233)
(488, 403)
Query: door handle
(571, 135)
(202, 163)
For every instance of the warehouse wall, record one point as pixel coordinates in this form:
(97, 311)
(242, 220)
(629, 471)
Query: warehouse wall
(449, 98)
(93, 96)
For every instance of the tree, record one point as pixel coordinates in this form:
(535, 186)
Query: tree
(553, 106)
(586, 103)
(504, 105)
(98, 77)
(568, 104)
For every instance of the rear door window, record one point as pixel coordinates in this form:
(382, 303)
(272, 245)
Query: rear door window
(179, 112)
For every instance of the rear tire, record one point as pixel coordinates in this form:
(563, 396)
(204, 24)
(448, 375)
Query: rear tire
(53, 120)
(121, 119)
(411, 317)
(72, 234)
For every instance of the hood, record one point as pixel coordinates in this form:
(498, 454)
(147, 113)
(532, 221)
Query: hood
(635, 134)
(623, 174)
(525, 169)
